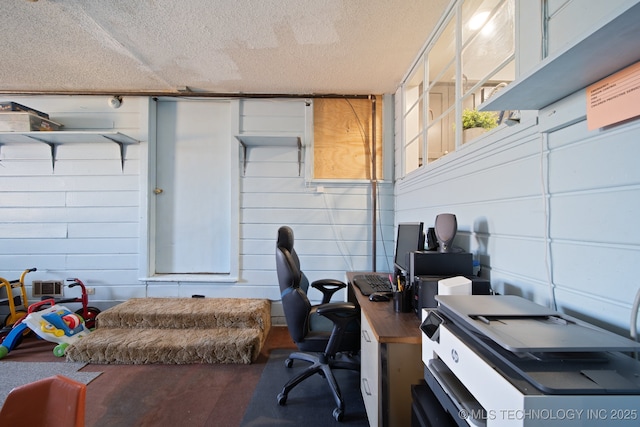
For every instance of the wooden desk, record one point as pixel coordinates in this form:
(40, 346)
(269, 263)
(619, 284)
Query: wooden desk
(391, 360)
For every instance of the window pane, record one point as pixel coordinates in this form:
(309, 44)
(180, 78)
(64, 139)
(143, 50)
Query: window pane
(413, 155)
(442, 93)
(490, 47)
(441, 136)
(414, 119)
(443, 53)
(413, 88)
(474, 15)
(413, 122)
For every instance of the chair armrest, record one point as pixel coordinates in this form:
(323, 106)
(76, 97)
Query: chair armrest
(340, 313)
(328, 287)
(337, 307)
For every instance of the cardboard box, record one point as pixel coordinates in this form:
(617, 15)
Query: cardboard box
(26, 122)
(14, 106)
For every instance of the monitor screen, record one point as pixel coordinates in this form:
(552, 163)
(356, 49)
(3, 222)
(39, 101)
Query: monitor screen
(410, 238)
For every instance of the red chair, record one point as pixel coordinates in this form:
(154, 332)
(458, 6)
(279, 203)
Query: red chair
(55, 401)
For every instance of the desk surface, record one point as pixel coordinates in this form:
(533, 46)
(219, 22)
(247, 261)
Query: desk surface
(387, 325)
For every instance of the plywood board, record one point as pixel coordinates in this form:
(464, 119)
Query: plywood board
(342, 138)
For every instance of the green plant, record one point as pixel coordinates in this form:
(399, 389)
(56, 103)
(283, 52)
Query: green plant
(479, 119)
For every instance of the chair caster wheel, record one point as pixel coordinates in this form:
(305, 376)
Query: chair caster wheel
(338, 414)
(288, 363)
(282, 399)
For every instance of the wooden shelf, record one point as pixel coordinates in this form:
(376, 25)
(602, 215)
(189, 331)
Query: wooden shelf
(269, 141)
(53, 139)
(594, 56)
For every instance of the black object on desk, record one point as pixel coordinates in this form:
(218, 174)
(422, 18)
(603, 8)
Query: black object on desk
(425, 289)
(379, 296)
(371, 283)
(403, 301)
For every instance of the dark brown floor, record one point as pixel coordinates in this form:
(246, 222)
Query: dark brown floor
(166, 395)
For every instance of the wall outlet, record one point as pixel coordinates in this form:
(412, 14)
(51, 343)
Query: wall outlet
(91, 291)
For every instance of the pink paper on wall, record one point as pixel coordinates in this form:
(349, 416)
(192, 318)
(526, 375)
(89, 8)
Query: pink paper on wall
(614, 99)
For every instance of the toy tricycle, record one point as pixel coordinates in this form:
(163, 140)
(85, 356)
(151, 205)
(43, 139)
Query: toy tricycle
(56, 324)
(14, 302)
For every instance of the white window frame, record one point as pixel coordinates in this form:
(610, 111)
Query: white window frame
(453, 13)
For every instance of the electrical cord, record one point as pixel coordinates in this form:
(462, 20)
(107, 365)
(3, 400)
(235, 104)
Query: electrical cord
(547, 240)
(634, 319)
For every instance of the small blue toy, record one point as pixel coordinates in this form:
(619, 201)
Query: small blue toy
(56, 324)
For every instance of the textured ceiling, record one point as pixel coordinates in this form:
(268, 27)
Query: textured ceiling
(217, 46)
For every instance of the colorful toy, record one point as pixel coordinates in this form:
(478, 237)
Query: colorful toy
(56, 324)
(87, 312)
(15, 314)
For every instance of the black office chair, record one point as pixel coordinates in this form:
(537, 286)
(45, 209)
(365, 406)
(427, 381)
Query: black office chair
(335, 347)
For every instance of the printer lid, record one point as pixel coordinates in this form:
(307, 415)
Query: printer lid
(520, 325)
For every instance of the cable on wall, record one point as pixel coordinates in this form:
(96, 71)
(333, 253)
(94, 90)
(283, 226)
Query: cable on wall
(634, 319)
(374, 186)
(544, 182)
(370, 153)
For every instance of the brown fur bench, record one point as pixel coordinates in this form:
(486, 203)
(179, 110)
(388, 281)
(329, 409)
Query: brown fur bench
(177, 331)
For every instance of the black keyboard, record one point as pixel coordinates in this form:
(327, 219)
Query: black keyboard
(371, 283)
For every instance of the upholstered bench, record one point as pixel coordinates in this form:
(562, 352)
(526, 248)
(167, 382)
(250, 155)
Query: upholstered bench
(177, 331)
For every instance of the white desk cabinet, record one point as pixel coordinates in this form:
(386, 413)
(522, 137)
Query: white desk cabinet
(391, 361)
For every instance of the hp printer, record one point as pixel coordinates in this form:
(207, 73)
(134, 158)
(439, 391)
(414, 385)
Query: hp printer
(496, 360)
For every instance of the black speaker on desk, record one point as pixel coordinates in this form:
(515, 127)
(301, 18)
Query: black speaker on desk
(425, 289)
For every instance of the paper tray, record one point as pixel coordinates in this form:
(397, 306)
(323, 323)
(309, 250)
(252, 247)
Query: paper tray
(519, 325)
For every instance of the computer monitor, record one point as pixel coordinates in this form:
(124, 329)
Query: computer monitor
(410, 238)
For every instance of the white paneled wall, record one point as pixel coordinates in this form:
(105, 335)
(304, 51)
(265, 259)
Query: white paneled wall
(331, 220)
(80, 216)
(548, 207)
(545, 211)
(87, 217)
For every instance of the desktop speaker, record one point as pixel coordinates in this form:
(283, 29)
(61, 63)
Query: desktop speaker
(446, 227)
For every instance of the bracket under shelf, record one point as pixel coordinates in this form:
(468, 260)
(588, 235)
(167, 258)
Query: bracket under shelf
(269, 141)
(55, 138)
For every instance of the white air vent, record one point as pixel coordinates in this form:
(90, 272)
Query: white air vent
(51, 288)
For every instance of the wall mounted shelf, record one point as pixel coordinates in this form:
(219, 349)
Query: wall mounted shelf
(53, 139)
(594, 56)
(269, 141)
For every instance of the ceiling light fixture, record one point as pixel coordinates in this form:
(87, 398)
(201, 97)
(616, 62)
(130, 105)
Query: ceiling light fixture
(478, 20)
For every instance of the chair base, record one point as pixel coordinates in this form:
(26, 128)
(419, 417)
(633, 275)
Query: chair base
(322, 365)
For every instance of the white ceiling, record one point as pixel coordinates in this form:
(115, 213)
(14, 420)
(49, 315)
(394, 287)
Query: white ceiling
(215, 46)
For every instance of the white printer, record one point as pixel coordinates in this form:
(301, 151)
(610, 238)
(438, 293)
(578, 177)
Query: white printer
(495, 360)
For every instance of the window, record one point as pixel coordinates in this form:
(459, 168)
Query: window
(470, 58)
(342, 134)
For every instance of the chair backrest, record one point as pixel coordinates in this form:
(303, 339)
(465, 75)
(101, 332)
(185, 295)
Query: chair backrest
(293, 285)
(54, 401)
